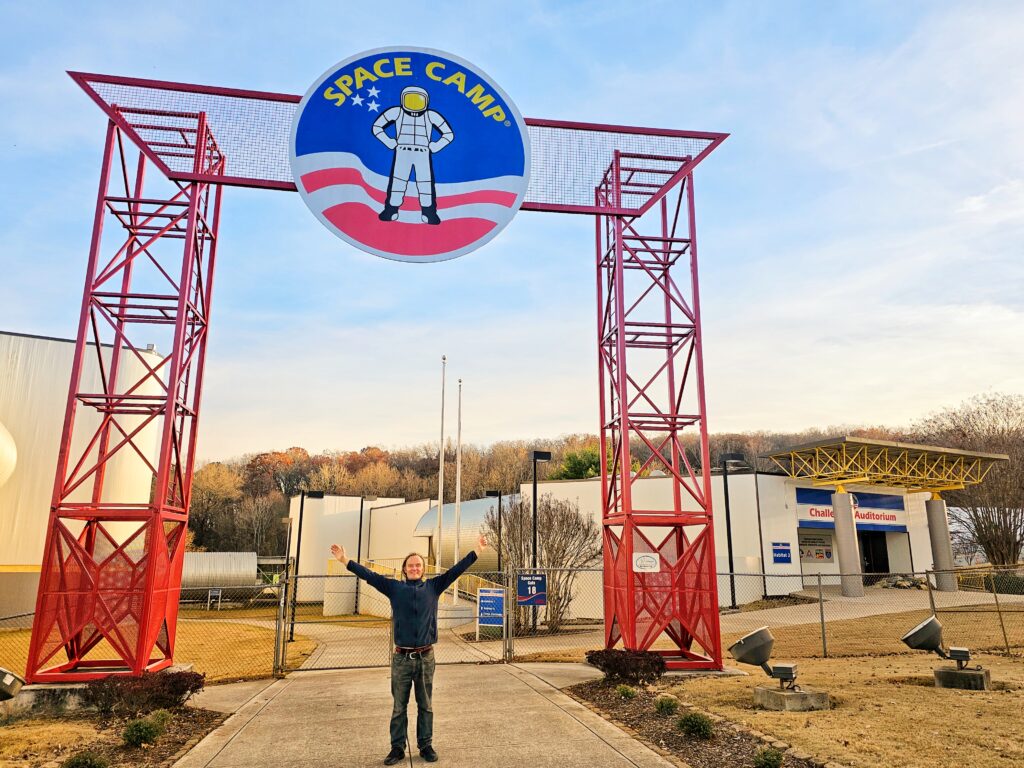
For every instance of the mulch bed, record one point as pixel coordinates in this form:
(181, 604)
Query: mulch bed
(188, 726)
(727, 747)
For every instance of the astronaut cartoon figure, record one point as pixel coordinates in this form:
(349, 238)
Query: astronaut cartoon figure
(414, 147)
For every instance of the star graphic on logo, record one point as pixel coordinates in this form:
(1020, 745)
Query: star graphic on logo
(357, 100)
(373, 92)
(373, 106)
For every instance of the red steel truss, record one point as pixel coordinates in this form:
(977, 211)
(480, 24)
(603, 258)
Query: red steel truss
(111, 574)
(651, 320)
(108, 592)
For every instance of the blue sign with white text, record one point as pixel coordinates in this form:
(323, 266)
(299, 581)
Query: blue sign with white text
(782, 552)
(490, 606)
(532, 589)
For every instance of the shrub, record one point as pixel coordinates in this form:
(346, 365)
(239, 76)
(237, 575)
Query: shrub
(140, 695)
(139, 732)
(626, 691)
(769, 757)
(636, 667)
(86, 760)
(696, 725)
(160, 719)
(1007, 583)
(666, 705)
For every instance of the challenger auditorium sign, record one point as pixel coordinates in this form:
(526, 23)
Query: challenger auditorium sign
(871, 511)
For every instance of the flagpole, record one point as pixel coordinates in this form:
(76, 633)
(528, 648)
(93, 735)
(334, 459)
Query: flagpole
(440, 472)
(458, 495)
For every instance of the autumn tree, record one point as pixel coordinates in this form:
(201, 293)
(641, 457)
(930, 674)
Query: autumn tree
(216, 490)
(991, 514)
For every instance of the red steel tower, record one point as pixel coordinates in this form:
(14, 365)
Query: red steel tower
(659, 561)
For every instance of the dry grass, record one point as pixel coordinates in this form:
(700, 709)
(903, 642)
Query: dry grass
(887, 712)
(979, 630)
(23, 740)
(223, 650)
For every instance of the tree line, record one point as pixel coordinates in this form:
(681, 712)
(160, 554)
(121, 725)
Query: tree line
(237, 504)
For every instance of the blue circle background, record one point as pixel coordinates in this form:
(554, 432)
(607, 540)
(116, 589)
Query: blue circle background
(482, 147)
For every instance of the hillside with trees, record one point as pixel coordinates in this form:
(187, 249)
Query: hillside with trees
(237, 503)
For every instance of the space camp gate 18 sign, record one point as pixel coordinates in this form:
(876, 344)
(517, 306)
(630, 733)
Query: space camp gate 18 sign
(410, 153)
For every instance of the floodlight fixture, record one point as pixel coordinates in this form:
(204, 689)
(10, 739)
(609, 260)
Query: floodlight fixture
(10, 684)
(755, 649)
(927, 636)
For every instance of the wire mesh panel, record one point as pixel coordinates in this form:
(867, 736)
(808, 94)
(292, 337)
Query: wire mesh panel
(253, 128)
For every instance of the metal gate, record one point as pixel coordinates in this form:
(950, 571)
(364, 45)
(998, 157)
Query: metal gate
(337, 621)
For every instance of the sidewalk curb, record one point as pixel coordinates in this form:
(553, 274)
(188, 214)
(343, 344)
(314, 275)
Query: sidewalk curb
(207, 750)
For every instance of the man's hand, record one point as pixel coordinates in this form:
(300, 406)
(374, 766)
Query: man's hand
(481, 544)
(339, 554)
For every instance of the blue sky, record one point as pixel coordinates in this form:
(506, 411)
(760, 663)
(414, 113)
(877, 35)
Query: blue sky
(861, 231)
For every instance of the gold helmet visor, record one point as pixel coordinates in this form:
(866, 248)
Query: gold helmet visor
(414, 102)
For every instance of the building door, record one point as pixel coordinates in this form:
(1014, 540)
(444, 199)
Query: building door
(874, 553)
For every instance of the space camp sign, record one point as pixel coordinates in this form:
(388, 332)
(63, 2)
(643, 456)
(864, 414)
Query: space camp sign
(412, 154)
(871, 511)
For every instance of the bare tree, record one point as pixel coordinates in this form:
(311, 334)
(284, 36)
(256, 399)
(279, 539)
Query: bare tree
(258, 516)
(990, 514)
(566, 541)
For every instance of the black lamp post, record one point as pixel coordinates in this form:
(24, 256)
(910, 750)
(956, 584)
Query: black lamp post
(538, 456)
(493, 494)
(727, 459)
(298, 550)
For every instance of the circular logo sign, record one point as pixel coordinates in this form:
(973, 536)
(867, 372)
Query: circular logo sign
(410, 153)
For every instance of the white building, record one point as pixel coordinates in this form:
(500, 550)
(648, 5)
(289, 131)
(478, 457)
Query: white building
(34, 376)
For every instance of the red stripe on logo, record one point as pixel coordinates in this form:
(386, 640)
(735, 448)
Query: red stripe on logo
(360, 222)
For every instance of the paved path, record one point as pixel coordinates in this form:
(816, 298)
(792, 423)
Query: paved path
(493, 715)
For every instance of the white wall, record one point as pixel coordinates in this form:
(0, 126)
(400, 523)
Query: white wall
(391, 530)
(34, 377)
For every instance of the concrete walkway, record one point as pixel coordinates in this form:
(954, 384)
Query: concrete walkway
(493, 715)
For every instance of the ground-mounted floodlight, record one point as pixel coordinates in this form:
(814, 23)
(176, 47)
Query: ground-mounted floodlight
(927, 636)
(10, 684)
(755, 649)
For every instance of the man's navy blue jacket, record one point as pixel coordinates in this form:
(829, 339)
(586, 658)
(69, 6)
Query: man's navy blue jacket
(414, 603)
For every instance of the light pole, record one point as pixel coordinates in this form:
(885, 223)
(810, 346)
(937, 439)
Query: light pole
(440, 471)
(538, 456)
(727, 459)
(298, 550)
(493, 494)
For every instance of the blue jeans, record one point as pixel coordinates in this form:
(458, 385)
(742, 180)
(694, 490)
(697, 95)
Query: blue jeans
(414, 671)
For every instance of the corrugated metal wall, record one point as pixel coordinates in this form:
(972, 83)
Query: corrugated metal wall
(34, 376)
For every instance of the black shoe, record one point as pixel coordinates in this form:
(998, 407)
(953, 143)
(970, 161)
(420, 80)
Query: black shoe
(395, 755)
(390, 213)
(428, 754)
(429, 214)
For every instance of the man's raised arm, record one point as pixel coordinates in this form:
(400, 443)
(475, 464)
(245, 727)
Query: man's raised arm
(381, 583)
(446, 579)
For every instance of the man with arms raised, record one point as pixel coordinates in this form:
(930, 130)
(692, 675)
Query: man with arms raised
(414, 612)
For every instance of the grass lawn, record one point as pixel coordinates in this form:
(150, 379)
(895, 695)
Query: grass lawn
(886, 712)
(223, 650)
(979, 630)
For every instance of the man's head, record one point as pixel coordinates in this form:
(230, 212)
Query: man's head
(412, 567)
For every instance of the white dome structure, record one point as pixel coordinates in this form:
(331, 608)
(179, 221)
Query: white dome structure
(8, 454)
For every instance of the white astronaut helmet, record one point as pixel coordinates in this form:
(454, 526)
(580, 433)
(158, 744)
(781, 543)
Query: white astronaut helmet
(414, 100)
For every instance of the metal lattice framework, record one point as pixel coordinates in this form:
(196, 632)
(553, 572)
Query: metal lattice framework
(860, 461)
(111, 573)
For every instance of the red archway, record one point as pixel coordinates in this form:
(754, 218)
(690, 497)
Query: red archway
(112, 567)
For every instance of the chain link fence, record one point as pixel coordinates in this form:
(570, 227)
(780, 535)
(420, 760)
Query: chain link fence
(228, 633)
(336, 621)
